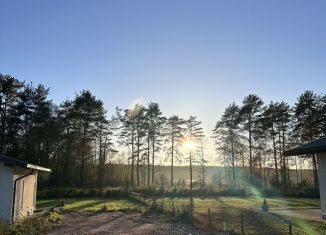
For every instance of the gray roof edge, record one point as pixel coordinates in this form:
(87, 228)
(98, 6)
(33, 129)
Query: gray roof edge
(21, 163)
(312, 147)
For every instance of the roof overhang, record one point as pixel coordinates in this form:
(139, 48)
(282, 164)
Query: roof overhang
(9, 161)
(39, 168)
(316, 146)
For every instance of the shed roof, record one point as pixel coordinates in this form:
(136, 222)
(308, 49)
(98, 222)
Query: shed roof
(15, 162)
(316, 146)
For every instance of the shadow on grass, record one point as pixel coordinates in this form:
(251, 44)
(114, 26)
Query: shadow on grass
(228, 218)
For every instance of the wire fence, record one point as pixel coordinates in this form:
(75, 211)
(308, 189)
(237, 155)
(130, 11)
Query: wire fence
(218, 219)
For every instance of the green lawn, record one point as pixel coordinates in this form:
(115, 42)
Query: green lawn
(94, 204)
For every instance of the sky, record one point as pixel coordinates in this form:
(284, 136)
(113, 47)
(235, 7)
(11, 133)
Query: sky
(192, 57)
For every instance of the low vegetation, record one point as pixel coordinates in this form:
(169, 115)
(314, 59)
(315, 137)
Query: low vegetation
(36, 225)
(96, 204)
(225, 212)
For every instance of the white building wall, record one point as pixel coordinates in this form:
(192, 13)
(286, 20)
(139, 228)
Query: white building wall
(25, 192)
(6, 190)
(322, 181)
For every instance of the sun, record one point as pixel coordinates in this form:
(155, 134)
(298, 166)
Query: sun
(190, 145)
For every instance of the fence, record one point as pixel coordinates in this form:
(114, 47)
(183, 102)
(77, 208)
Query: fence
(219, 219)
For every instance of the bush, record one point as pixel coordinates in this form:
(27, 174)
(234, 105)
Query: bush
(146, 190)
(36, 225)
(308, 192)
(116, 193)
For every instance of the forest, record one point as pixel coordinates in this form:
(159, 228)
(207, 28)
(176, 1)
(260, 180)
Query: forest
(86, 147)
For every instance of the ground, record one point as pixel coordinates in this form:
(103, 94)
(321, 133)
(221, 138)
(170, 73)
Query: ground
(123, 216)
(118, 223)
(304, 213)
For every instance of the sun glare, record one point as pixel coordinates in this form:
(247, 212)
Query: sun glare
(189, 145)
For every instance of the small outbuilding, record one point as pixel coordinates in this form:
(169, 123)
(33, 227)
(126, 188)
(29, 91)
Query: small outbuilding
(317, 147)
(18, 186)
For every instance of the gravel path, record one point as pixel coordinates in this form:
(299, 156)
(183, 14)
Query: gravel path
(118, 223)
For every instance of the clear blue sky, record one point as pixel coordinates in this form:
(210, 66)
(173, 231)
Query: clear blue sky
(192, 57)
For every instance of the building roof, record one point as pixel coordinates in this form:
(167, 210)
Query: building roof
(15, 162)
(316, 146)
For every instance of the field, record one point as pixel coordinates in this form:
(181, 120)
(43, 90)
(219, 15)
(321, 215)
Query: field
(225, 212)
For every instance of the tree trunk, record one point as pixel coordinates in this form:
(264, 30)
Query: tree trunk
(82, 171)
(296, 169)
(138, 153)
(285, 166)
(316, 181)
(132, 155)
(148, 162)
(100, 164)
(282, 162)
(172, 160)
(191, 194)
(67, 157)
(153, 159)
(233, 164)
(250, 149)
(314, 161)
(275, 157)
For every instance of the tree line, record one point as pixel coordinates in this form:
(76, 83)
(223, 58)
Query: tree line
(78, 141)
(256, 135)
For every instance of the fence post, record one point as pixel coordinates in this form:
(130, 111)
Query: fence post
(173, 209)
(209, 218)
(242, 225)
(162, 206)
(290, 227)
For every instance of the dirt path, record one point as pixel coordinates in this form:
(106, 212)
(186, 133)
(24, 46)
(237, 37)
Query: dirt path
(118, 223)
(304, 213)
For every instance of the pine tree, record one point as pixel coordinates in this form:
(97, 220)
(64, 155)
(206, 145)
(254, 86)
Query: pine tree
(173, 132)
(228, 137)
(193, 135)
(88, 112)
(268, 125)
(249, 111)
(307, 115)
(154, 126)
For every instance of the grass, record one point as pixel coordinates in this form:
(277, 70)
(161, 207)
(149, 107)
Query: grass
(225, 212)
(95, 204)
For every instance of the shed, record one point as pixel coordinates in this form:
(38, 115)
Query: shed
(18, 187)
(317, 147)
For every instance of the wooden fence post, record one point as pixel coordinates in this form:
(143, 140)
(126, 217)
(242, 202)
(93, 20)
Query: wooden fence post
(209, 218)
(162, 206)
(242, 225)
(290, 227)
